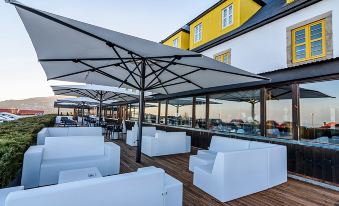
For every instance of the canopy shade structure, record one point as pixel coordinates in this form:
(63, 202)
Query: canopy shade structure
(281, 93)
(74, 51)
(96, 94)
(83, 101)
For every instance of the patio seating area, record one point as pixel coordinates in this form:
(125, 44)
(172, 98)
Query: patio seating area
(291, 193)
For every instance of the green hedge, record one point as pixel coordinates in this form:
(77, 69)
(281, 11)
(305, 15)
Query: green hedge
(15, 138)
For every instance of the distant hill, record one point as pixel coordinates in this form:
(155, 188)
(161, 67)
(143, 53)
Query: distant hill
(36, 103)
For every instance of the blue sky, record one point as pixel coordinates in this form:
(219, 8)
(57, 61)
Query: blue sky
(21, 76)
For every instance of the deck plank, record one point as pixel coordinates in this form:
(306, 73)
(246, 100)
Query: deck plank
(293, 192)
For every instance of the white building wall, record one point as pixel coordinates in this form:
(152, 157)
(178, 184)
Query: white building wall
(265, 49)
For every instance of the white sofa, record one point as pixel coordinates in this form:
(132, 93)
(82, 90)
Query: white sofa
(67, 131)
(239, 168)
(166, 143)
(43, 163)
(132, 135)
(147, 186)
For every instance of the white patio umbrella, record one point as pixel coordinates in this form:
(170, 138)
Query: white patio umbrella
(90, 93)
(74, 51)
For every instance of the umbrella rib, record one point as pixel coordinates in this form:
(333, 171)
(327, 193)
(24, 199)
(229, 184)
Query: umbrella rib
(161, 68)
(106, 74)
(173, 84)
(187, 80)
(216, 70)
(90, 93)
(159, 81)
(136, 64)
(129, 76)
(126, 67)
(175, 78)
(84, 59)
(79, 72)
(124, 58)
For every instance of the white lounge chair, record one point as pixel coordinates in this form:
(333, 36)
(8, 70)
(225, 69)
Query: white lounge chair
(146, 187)
(166, 143)
(43, 163)
(218, 144)
(237, 173)
(132, 135)
(67, 131)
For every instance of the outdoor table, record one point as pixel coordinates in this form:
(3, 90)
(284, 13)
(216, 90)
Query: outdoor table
(78, 174)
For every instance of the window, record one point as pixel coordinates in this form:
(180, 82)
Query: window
(198, 32)
(200, 112)
(227, 16)
(309, 42)
(224, 57)
(176, 43)
(180, 112)
(319, 112)
(151, 113)
(235, 112)
(279, 112)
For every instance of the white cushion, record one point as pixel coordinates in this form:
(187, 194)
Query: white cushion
(72, 147)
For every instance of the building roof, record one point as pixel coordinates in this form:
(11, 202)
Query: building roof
(271, 11)
(185, 28)
(259, 2)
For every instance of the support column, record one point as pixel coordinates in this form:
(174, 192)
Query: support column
(166, 112)
(141, 110)
(82, 113)
(207, 111)
(295, 111)
(58, 111)
(100, 108)
(263, 99)
(193, 112)
(159, 112)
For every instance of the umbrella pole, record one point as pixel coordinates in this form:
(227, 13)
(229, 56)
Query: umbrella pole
(82, 114)
(141, 111)
(100, 108)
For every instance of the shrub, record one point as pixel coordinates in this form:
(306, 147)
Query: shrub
(15, 138)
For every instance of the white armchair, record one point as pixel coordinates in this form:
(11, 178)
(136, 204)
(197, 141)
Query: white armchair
(132, 135)
(218, 144)
(67, 131)
(43, 163)
(241, 169)
(166, 143)
(147, 186)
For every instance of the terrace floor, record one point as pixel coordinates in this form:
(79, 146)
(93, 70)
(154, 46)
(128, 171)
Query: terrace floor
(292, 193)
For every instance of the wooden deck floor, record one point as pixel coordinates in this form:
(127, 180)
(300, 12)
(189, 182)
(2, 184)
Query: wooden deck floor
(292, 193)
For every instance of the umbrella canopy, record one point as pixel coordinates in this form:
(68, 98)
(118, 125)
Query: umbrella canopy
(97, 94)
(82, 101)
(74, 51)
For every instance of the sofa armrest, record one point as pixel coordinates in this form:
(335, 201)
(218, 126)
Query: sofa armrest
(188, 144)
(31, 166)
(41, 136)
(112, 150)
(5, 192)
(147, 145)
